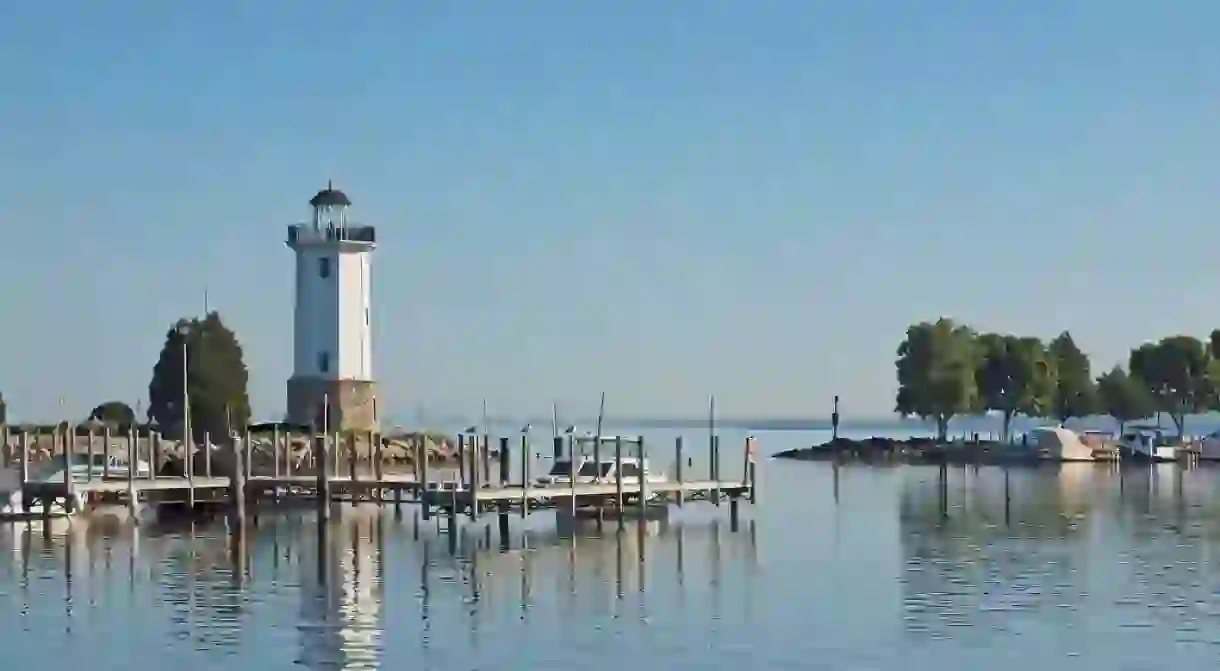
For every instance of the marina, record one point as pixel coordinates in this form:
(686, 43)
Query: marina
(624, 487)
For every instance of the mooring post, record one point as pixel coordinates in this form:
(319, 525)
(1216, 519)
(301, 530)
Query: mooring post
(733, 519)
(237, 485)
(352, 467)
(485, 453)
(133, 461)
(715, 468)
(643, 512)
(376, 452)
(505, 462)
(572, 470)
(618, 476)
(248, 447)
(473, 509)
(69, 480)
(106, 451)
(155, 446)
(336, 449)
(678, 471)
(288, 455)
(425, 504)
(461, 458)
(207, 454)
(323, 479)
(525, 475)
(752, 466)
(92, 450)
(275, 451)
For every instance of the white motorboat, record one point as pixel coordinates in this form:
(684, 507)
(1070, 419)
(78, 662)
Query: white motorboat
(1145, 443)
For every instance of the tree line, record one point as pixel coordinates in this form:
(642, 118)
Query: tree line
(946, 368)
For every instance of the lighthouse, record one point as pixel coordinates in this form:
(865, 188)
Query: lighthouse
(332, 373)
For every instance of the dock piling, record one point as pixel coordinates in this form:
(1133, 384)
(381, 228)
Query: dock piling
(505, 463)
(678, 467)
(525, 475)
(461, 458)
(643, 478)
(69, 480)
(106, 451)
(133, 461)
(618, 476)
(89, 476)
(485, 453)
(715, 469)
(473, 509)
(154, 445)
(237, 484)
(323, 477)
(422, 456)
(207, 454)
(275, 451)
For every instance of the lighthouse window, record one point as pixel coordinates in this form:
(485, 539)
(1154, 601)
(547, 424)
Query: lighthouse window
(324, 268)
(324, 362)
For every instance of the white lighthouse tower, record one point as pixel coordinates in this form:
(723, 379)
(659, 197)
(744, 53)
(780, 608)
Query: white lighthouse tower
(332, 343)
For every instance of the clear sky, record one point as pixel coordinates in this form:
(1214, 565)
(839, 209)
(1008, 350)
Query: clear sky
(658, 200)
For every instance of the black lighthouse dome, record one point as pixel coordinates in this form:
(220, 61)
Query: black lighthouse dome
(330, 197)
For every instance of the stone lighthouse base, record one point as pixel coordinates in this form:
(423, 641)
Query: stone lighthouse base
(352, 403)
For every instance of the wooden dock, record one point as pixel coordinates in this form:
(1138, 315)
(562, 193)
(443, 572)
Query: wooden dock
(475, 491)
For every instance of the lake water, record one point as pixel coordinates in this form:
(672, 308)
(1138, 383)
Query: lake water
(866, 568)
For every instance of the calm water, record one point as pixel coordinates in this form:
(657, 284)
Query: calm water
(867, 570)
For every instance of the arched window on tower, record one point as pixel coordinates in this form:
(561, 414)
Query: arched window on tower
(324, 268)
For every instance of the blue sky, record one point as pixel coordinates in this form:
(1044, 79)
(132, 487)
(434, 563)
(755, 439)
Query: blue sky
(656, 200)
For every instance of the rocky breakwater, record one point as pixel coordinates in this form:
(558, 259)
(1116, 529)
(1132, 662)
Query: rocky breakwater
(911, 450)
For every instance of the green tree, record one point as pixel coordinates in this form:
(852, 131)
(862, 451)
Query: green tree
(1014, 376)
(117, 414)
(1124, 398)
(935, 365)
(1075, 391)
(1175, 371)
(216, 380)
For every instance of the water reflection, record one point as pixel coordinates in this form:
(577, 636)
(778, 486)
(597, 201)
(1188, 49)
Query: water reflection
(1070, 559)
(330, 593)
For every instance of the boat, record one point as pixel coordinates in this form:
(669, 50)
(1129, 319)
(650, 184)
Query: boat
(1148, 443)
(1055, 443)
(590, 468)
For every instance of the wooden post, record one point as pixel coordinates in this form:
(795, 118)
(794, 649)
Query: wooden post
(92, 450)
(336, 449)
(505, 463)
(69, 480)
(207, 455)
(597, 456)
(461, 458)
(323, 479)
(353, 467)
(485, 452)
(237, 484)
(155, 446)
(525, 475)
(23, 459)
(643, 479)
(473, 510)
(248, 462)
(288, 455)
(679, 474)
(106, 451)
(618, 475)
(421, 453)
(275, 452)
(572, 477)
(377, 452)
(132, 461)
(715, 468)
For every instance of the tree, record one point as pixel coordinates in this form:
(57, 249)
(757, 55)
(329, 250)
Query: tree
(935, 366)
(1014, 376)
(1075, 392)
(117, 414)
(216, 379)
(1124, 398)
(1175, 372)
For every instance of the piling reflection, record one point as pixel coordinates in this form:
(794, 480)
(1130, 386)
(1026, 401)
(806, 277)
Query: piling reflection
(204, 589)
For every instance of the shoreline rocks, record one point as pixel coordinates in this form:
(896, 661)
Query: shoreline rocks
(914, 450)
